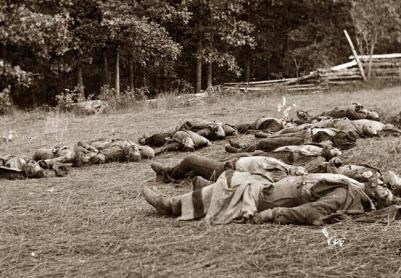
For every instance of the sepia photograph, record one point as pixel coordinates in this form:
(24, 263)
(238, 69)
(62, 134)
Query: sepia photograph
(200, 138)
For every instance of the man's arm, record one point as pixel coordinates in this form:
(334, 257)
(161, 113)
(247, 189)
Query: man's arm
(309, 213)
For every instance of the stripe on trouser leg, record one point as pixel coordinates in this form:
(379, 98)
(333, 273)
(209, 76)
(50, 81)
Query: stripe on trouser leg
(229, 175)
(199, 210)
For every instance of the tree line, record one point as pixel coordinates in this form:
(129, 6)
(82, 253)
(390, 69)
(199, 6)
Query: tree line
(48, 47)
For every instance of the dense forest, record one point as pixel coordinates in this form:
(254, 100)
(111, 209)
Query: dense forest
(146, 47)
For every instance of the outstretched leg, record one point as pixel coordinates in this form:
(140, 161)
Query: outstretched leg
(163, 205)
(169, 147)
(235, 147)
(189, 206)
(191, 166)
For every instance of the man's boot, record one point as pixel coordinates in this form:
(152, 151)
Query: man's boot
(162, 204)
(261, 134)
(231, 149)
(61, 170)
(235, 144)
(161, 172)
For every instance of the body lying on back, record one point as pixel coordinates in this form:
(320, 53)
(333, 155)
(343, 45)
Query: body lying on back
(309, 199)
(15, 167)
(212, 130)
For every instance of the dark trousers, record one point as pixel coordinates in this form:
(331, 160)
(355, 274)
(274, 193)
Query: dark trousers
(169, 147)
(195, 165)
(270, 144)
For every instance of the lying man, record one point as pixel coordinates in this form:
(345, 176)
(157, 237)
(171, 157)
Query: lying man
(371, 128)
(156, 140)
(267, 124)
(312, 199)
(72, 154)
(210, 130)
(95, 152)
(342, 124)
(310, 156)
(340, 139)
(281, 160)
(359, 128)
(357, 172)
(116, 150)
(355, 111)
(209, 169)
(184, 140)
(304, 118)
(14, 167)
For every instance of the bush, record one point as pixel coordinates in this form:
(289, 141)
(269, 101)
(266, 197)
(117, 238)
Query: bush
(66, 99)
(128, 97)
(182, 87)
(5, 101)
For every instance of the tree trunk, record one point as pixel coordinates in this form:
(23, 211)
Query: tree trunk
(3, 52)
(372, 49)
(117, 73)
(165, 74)
(248, 70)
(80, 83)
(198, 87)
(106, 69)
(145, 79)
(131, 74)
(209, 75)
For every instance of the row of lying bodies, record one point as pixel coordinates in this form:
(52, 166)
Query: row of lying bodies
(193, 135)
(287, 177)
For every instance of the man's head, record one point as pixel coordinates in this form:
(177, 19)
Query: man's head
(55, 149)
(32, 169)
(321, 119)
(336, 162)
(146, 152)
(369, 131)
(357, 106)
(133, 154)
(98, 158)
(388, 127)
(382, 196)
(288, 124)
(329, 151)
(373, 115)
(188, 144)
(297, 171)
(393, 182)
(303, 115)
(217, 130)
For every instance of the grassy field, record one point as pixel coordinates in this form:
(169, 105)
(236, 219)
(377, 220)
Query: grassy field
(95, 223)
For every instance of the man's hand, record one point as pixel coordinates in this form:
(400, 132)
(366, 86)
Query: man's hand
(263, 216)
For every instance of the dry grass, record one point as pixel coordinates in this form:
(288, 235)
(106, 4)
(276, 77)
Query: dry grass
(95, 223)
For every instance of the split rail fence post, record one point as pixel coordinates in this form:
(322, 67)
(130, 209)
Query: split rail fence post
(355, 55)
